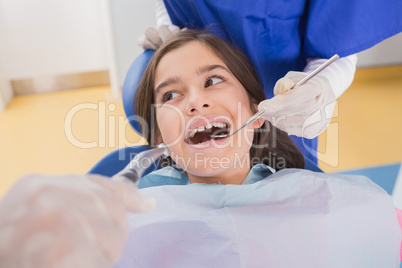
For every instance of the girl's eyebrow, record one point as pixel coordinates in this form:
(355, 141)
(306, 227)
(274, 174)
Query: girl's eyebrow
(207, 68)
(176, 80)
(170, 81)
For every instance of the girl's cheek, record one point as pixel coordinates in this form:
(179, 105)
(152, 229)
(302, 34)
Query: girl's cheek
(171, 125)
(245, 112)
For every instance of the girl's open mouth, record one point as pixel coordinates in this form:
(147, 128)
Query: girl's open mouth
(203, 133)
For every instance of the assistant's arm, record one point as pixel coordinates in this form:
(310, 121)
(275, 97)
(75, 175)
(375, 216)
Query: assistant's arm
(162, 16)
(340, 74)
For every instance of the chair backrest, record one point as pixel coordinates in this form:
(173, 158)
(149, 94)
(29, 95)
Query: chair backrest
(115, 161)
(130, 85)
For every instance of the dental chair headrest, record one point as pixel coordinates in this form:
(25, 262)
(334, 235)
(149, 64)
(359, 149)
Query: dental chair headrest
(130, 85)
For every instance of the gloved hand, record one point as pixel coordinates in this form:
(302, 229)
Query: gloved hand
(153, 38)
(66, 221)
(304, 111)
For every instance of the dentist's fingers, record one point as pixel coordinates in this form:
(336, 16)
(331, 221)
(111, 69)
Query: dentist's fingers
(293, 109)
(66, 221)
(132, 199)
(283, 85)
(153, 38)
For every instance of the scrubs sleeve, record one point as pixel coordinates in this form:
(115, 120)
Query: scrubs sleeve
(349, 26)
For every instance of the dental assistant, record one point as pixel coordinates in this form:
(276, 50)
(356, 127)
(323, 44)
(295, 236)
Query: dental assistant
(285, 40)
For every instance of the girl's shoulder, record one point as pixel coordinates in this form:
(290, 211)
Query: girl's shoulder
(164, 176)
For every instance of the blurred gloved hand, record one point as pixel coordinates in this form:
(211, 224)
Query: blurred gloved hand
(304, 111)
(66, 221)
(153, 38)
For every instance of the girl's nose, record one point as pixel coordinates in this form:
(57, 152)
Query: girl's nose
(205, 105)
(198, 104)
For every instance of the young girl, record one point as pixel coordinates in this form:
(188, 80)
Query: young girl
(198, 85)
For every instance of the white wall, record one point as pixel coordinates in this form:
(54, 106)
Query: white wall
(51, 37)
(130, 18)
(388, 52)
(6, 92)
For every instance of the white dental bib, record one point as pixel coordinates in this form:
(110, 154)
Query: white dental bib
(293, 218)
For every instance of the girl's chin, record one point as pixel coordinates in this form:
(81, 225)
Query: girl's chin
(206, 174)
(205, 166)
(213, 165)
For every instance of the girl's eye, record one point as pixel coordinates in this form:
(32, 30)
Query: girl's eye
(170, 96)
(214, 80)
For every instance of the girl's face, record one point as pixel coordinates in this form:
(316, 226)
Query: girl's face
(196, 95)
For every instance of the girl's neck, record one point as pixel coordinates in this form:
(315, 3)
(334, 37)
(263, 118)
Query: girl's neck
(232, 175)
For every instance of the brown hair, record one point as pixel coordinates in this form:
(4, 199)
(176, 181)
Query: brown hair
(271, 146)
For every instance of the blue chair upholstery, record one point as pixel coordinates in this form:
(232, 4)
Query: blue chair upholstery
(117, 160)
(130, 86)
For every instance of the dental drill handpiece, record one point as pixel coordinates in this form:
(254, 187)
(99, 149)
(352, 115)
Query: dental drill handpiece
(143, 160)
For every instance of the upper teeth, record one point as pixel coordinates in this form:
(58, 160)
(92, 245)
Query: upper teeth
(207, 126)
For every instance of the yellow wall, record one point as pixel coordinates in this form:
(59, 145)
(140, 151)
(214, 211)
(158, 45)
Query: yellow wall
(369, 122)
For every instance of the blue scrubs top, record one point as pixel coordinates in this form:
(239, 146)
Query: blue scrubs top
(279, 35)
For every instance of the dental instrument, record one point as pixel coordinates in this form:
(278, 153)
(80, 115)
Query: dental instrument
(143, 160)
(260, 113)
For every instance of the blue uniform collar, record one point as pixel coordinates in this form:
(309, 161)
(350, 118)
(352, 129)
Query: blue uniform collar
(172, 176)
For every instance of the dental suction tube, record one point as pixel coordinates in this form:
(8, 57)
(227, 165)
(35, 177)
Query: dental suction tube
(143, 160)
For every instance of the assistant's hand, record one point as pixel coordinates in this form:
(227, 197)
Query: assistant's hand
(153, 38)
(66, 221)
(304, 111)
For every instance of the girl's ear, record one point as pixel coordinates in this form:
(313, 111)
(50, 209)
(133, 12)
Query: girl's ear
(259, 122)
